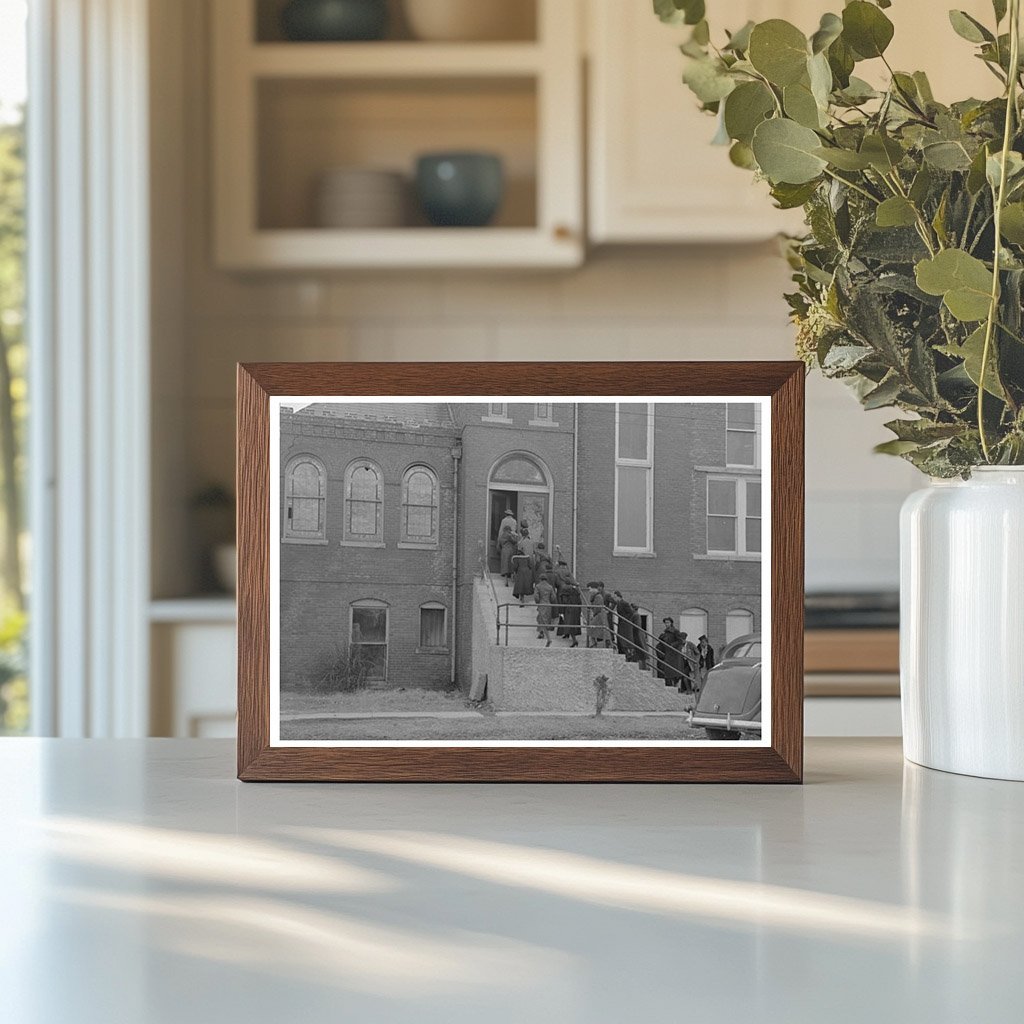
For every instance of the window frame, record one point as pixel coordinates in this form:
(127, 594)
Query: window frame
(740, 519)
(445, 647)
(746, 632)
(287, 498)
(540, 420)
(375, 603)
(756, 464)
(349, 539)
(623, 550)
(694, 612)
(501, 416)
(405, 540)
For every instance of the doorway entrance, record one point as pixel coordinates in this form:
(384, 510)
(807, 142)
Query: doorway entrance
(521, 483)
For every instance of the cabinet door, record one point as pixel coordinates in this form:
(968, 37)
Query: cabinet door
(654, 176)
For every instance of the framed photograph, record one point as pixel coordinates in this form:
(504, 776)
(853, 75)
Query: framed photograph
(518, 572)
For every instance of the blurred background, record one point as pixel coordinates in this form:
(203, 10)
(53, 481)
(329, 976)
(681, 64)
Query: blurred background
(251, 180)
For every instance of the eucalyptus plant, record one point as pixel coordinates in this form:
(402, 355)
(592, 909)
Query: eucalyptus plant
(910, 278)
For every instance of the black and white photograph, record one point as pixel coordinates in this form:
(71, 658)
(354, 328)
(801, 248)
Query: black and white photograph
(565, 571)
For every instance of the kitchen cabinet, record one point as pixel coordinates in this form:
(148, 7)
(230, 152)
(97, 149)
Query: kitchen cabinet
(287, 113)
(653, 175)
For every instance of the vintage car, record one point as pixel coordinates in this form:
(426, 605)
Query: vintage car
(729, 706)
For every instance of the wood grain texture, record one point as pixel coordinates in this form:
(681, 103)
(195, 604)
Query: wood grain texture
(782, 762)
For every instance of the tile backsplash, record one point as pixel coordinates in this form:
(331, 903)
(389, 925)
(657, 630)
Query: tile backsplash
(703, 303)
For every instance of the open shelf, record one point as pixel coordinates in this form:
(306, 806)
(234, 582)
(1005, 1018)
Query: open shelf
(286, 114)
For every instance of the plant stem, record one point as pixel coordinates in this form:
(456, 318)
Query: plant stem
(993, 309)
(856, 188)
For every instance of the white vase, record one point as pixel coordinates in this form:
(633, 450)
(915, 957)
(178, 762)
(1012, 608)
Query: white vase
(962, 624)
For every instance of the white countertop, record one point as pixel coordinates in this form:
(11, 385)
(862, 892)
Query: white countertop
(143, 885)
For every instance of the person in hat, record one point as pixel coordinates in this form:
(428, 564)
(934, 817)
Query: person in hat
(669, 653)
(570, 603)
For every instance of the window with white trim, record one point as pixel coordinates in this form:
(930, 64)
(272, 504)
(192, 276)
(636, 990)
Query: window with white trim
(420, 495)
(497, 412)
(433, 626)
(734, 516)
(305, 501)
(364, 504)
(742, 431)
(634, 478)
(739, 622)
(368, 639)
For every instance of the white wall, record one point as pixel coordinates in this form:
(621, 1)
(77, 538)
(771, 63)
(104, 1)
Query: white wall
(701, 303)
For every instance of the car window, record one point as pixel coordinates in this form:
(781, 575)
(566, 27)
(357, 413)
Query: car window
(740, 651)
(753, 651)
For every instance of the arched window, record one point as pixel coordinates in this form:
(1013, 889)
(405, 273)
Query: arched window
(694, 623)
(433, 626)
(368, 639)
(738, 623)
(420, 499)
(305, 501)
(364, 504)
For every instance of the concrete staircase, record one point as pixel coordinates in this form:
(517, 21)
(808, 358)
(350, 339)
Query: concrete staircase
(524, 675)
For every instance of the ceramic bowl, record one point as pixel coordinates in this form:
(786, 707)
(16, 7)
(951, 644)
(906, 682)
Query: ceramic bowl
(334, 20)
(460, 189)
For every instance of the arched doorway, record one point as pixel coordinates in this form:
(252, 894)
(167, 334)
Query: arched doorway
(520, 482)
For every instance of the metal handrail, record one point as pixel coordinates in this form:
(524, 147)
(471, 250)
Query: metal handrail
(646, 652)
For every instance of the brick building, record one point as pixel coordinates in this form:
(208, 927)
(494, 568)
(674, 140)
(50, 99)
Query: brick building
(390, 509)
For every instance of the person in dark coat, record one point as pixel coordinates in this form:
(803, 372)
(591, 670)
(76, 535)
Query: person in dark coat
(541, 561)
(624, 626)
(670, 653)
(544, 595)
(508, 543)
(571, 600)
(522, 572)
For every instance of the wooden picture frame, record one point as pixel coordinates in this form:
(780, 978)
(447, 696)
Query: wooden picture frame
(781, 384)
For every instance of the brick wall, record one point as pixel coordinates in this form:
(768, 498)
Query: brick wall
(320, 582)
(678, 575)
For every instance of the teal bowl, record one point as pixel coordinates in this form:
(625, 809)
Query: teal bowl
(334, 21)
(460, 190)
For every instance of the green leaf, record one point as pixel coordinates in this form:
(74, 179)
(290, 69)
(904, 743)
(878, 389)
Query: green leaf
(924, 87)
(676, 12)
(789, 197)
(971, 352)
(785, 152)
(999, 7)
(895, 447)
(883, 153)
(820, 75)
(963, 281)
(1014, 169)
(866, 29)
(884, 395)
(844, 159)
(745, 108)
(921, 185)
(778, 50)
(742, 155)
(841, 60)
(896, 212)
(830, 29)
(739, 41)
(708, 80)
(976, 174)
(947, 156)
(969, 28)
(923, 431)
(1012, 225)
(801, 106)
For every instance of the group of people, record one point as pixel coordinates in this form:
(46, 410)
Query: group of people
(606, 617)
